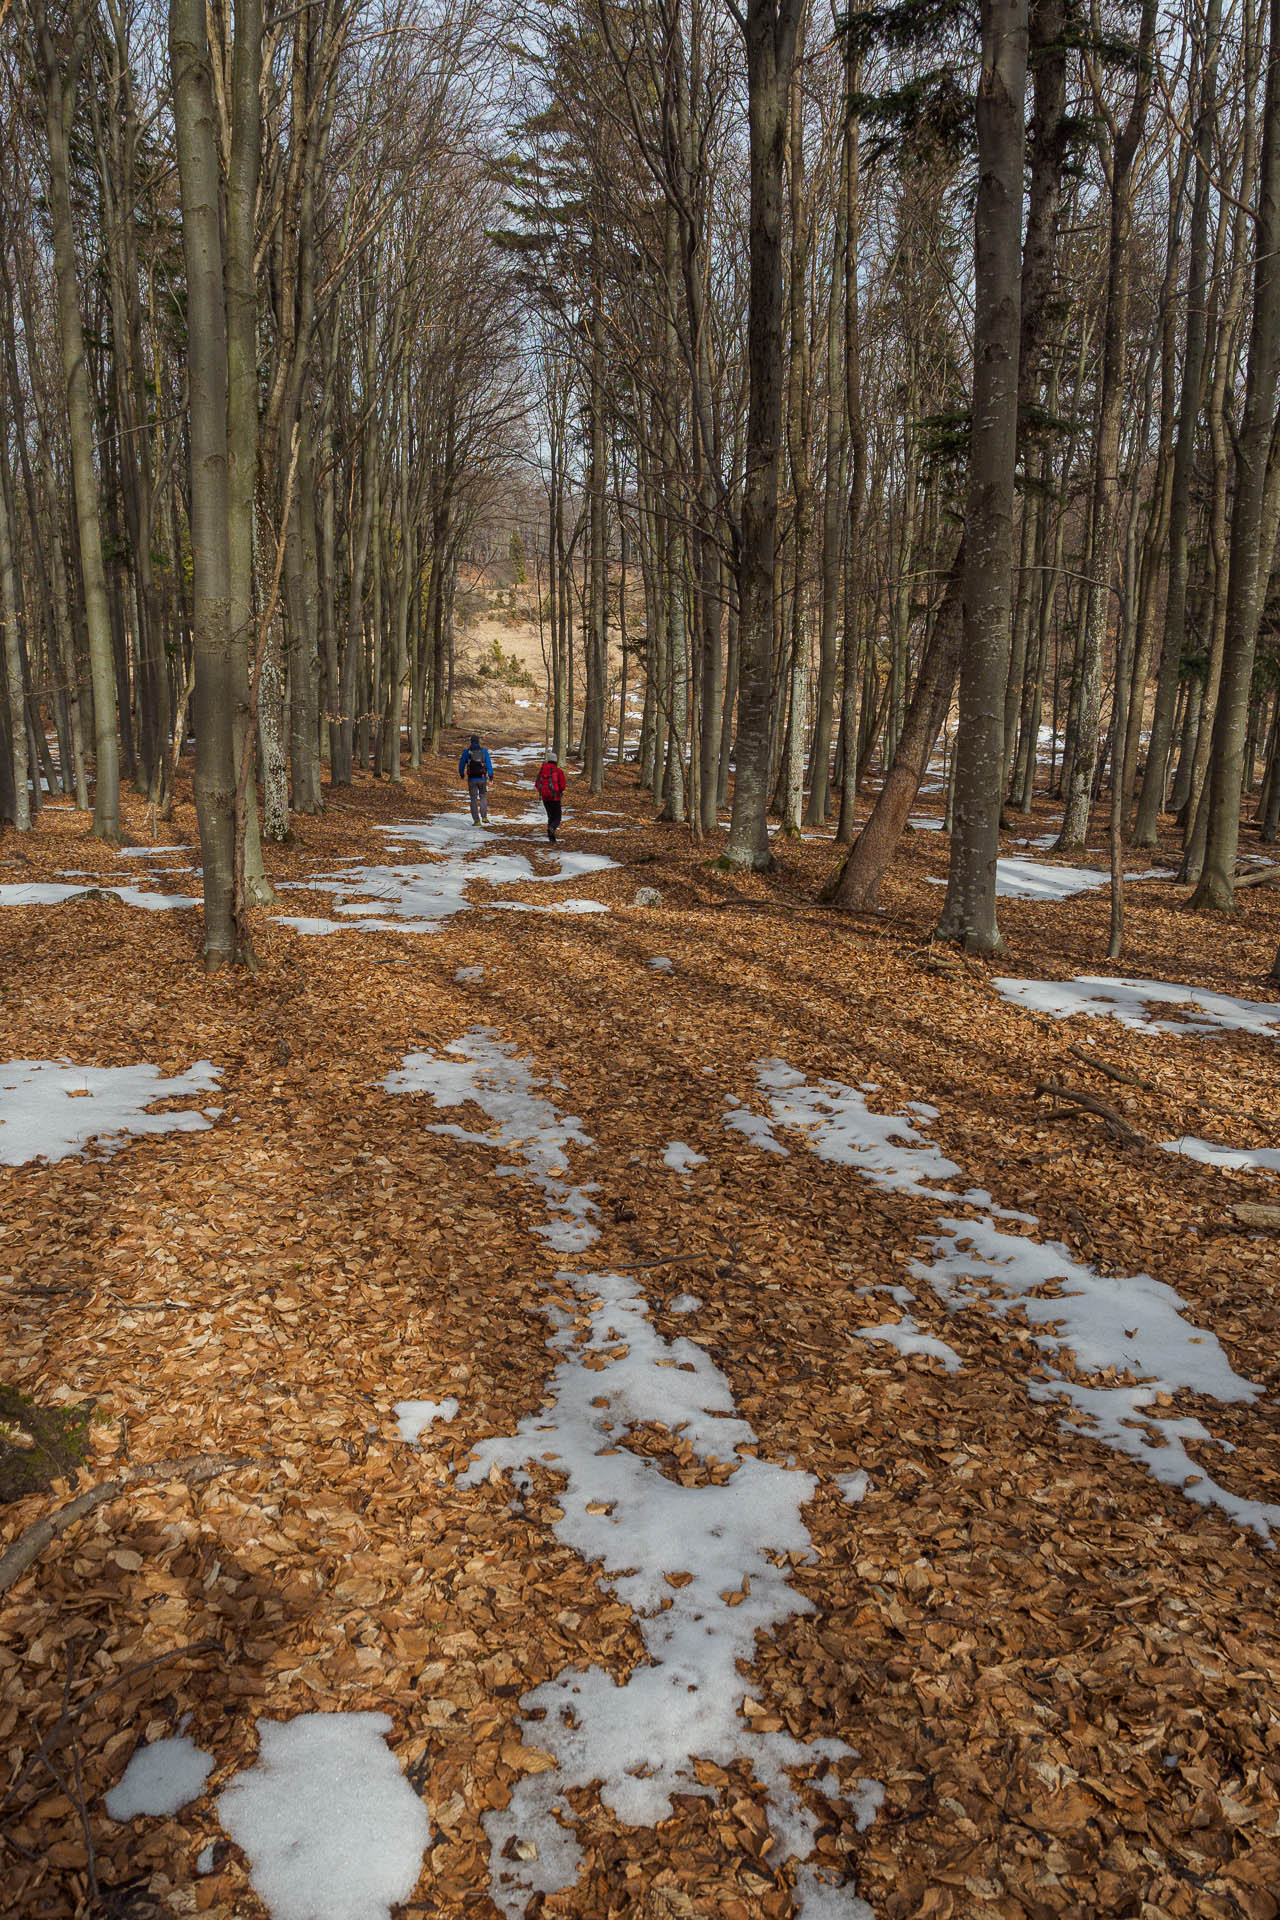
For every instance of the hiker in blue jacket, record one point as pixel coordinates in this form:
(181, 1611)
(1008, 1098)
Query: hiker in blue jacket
(476, 768)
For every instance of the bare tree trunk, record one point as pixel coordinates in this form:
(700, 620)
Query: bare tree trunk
(969, 914)
(857, 884)
(1175, 615)
(217, 680)
(1106, 479)
(1226, 777)
(771, 29)
(60, 80)
(13, 673)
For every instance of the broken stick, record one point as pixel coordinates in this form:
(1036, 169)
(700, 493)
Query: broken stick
(1075, 1097)
(31, 1543)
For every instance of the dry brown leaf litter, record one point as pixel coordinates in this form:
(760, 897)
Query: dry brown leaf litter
(1014, 1629)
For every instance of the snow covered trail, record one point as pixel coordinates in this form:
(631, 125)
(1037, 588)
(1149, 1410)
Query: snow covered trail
(703, 1565)
(420, 897)
(1096, 1324)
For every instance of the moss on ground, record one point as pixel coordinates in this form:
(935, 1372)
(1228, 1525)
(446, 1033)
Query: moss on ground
(38, 1445)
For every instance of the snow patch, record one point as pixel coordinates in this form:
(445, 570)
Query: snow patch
(724, 1540)
(422, 897)
(661, 964)
(684, 1303)
(819, 1899)
(1128, 1001)
(1101, 1325)
(720, 1542)
(853, 1486)
(160, 1779)
(467, 974)
(488, 1073)
(50, 1109)
(680, 1158)
(907, 1337)
(1125, 1324)
(415, 1416)
(331, 1827)
(1256, 1159)
(50, 893)
(839, 1126)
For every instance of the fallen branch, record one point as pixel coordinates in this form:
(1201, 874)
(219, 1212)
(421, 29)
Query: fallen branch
(1264, 877)
(1252, 1213)
(31, 1543)
(1112, 1072)
(1073, 1097)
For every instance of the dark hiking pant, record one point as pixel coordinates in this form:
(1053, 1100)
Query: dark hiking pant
(553, 808)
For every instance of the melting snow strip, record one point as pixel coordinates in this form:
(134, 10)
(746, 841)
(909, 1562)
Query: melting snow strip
(50, 893)
(839, 1126)
(421, 897)
(50, 1109)
(720, 1541)
(488, 1073)
(1130, 1324)
(1128, 1001)
(1255, 1159)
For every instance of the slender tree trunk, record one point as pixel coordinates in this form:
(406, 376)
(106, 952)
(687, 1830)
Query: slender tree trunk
(60, 86)
(1106, 479)
(217, 681)
(969, 913)
(241, 299)
(13, 673)
(1226, 777)
(1175, 615)
(771, 28)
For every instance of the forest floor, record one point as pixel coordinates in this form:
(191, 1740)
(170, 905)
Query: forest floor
(1024, 1604)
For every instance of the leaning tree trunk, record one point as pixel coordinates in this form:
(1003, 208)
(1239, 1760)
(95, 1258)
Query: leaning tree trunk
(857, 884)
(969, 913)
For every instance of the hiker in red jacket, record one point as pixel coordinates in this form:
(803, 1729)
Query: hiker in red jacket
(550, 786)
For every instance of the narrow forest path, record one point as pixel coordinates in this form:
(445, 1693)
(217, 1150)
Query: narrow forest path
(756, 1455)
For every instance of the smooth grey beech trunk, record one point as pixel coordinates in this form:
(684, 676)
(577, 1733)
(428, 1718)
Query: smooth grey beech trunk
(60, 77)
(217, 683)
(969, 912)
(1190, 402)
(771, 29)
(1226, 774)
(13, 673)
(1106, 474)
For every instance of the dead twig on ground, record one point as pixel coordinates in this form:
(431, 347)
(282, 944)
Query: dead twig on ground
(31, 1543)
(1075, 1097)
(1112, 1072)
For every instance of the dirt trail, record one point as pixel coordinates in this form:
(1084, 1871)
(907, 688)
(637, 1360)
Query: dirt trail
(1059, 1670)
